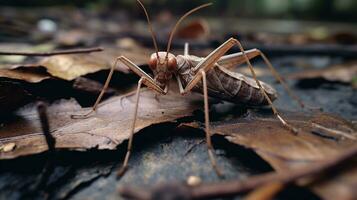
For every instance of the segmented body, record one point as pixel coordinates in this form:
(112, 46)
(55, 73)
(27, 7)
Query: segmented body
(225, 84)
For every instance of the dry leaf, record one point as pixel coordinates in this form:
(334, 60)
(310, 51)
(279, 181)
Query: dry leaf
(109, 127)
(344, 73)
(285, 151)
(198, 29)
(29, 73)
(69, 67)
(7, 147)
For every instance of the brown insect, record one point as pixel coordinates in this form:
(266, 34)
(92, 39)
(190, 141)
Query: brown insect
(209, 75)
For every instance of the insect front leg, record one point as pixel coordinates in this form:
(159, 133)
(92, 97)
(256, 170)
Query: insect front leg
(106, 84)
(148, 82)
(145, 79)
(124, 167)
(205, 65)
(199, 75)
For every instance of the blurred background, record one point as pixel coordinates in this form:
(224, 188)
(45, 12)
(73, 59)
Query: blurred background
(324, 10)
(320, 20)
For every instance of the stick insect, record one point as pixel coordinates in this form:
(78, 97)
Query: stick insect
(210, 76)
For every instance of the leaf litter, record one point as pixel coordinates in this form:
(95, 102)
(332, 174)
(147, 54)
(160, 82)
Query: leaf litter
(284, 151)
(110, 125)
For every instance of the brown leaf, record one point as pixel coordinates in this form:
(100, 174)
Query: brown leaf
(69, 67)
(29, 73)
(106, 129)
(344, 73)
(198, 29)
(285, 151)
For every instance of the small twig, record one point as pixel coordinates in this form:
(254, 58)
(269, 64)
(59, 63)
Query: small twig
(40, 183)
(189, 150)
(319, 128)
(266, 192)
(50, 140)
(231, 188)
(59, 52)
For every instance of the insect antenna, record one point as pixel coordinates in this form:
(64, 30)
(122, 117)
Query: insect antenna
(178, 23)
(150, 28)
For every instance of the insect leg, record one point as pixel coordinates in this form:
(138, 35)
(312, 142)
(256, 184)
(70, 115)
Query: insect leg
(148, 81)
(208, 134)
(209, 62)
(275, 111)
(182, 90)
(186, 50)
(130, 142)
(278, 77)
(106, 84)
(235, 59)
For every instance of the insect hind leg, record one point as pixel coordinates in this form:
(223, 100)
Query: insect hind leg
(280, 79)
(275, 111)
(211, 153)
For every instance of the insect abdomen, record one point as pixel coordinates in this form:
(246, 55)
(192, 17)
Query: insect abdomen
(242, 89)
(228, 85)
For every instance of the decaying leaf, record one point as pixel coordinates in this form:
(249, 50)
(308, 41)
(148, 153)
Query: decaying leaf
(285, 151)
(344, 73)
(106, 129)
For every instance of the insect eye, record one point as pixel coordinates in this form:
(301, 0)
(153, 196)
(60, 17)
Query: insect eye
(153, 63)
(172, 64)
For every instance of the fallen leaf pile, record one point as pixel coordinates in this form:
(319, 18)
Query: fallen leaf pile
(285, 151)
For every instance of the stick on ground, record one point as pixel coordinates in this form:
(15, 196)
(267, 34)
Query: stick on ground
(52, 53)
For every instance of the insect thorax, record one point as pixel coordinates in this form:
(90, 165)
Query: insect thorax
(185, 66)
